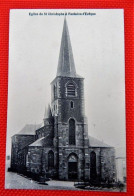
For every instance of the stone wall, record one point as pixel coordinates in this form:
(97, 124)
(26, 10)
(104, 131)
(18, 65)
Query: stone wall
(61, 106)
(37, 161)
(34, 159)
(108, 167)
(105, 163)
(64, 154)
(47, 129)
(61, 103)
(18, 143)
(21, 160)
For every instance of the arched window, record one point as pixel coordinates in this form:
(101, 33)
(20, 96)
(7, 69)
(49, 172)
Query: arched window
(72, 132)
(72, 104)
(50, 159)
(93, 173)
(71, 89)
(54, 91)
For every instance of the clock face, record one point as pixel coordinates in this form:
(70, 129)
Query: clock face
(72, 158)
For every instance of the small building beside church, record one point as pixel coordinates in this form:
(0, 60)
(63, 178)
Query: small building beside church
(61, 148)
(121, 164)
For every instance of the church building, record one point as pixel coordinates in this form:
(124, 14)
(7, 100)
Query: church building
(61, 148)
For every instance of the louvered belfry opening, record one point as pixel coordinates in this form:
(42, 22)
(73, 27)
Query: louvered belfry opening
(71, 90)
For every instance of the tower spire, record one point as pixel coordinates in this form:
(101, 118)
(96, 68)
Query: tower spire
(66, 66)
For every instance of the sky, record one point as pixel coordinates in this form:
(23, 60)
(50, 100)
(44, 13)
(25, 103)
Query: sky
(98, 49)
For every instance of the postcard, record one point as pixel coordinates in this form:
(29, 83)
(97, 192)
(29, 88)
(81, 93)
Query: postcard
(66, 100)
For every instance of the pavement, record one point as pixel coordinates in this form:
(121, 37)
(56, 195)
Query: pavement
(16, 181)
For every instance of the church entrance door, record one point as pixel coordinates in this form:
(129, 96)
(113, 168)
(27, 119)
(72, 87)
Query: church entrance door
(72, 168)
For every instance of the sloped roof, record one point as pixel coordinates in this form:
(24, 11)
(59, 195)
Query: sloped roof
(29, 129)
(93, 142)
(46, 141)
(38, 142)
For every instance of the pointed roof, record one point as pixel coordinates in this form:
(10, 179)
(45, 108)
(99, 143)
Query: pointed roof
(48, 112)
(66, 66)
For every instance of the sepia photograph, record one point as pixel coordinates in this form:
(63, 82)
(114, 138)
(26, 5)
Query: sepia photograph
(66, 126)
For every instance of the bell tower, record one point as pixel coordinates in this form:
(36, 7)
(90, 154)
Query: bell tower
(70, 124)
